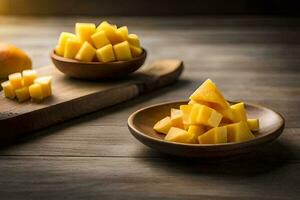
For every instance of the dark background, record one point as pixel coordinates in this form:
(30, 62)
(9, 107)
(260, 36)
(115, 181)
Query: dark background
(149, 7)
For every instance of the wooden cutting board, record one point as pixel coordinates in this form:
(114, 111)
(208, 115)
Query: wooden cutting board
(72, 98)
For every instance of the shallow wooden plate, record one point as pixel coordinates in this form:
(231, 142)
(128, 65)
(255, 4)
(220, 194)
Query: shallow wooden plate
(141, 123)
(97, 70)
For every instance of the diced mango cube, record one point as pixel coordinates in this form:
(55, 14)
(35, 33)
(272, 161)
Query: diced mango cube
(64, 36)
(103, 24)
(84, 31)
(72, 47)
(253, 124)
(36, 92)
(16, 80)
(215, 135)
(8, 89)
(176, 118)
(45, 82)
(208, 92)
(163, 126)
(123, 32)
(201, 114)
(135, 51)
(179, 135)
(228, 114)
(86, 52)
(186, 110)
(238, 132)
(22, 94)
(122, 51)
(99, 39)
(106, 54)
(239, 112)
(113, 35)
(134, 40)
(196, 130)
(29, 76)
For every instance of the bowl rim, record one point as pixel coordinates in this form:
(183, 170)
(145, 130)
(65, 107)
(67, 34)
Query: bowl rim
(55, 56)
(258, 139)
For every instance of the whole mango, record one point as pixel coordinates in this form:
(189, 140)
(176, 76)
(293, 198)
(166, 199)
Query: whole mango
(12, 60)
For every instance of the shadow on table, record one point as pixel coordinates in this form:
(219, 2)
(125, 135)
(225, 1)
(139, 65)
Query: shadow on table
(264, 160)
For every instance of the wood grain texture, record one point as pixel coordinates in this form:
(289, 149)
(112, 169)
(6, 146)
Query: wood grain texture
(251, 59)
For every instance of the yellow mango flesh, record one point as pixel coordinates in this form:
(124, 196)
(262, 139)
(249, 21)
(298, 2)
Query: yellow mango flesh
(36, 92)
(163, 126)
(239, 112)
(201, 114)
(84, 31)
(196, 130)
(8, 89)
(64, 36)
(122, 51)
(99, 39)
(45, 83)
(28, 77)
(86, 52)
(134, 40)
(106, 54)
(253, 124)
(176, 118)
(215, 135)
(135, 51)
(123, 31)
(112, 33)
(208, 92)
(22, 94)
(238, 132)
(16, 80)
(186, 110)
(72, 47)
(179, 135)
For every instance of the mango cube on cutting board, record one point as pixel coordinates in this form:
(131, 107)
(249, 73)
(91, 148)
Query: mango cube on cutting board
(88, 42)
(27, 85)
(209, 119)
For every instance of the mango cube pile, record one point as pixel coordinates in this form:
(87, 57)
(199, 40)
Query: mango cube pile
(208, 119)
(27, 85)
(104, 43)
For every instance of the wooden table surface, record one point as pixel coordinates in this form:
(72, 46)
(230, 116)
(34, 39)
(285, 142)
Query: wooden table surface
(95, 156)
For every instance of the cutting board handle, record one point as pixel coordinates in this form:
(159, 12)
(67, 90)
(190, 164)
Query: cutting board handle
(73, 98)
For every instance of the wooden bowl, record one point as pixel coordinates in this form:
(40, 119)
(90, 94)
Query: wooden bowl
(141, 123)
(97, 70)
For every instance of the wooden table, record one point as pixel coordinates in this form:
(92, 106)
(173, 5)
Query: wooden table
(251, 59)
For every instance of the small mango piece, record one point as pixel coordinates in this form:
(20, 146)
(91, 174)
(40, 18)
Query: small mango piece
(201, 114)
(64, 36)
(45, 82)
(134, 40)
(86, 52)
(16, 80)
(29, 76)
(111, 33)
(179, 135)
(22, 94)
(8, 89)
(84, 31)
(36, 92)
(239, 112)
(72, 47)
(135, 51)
(99, 39)
(123, 32)
(215, 135)
(196, 130)
(253, 124)
(238, 132)
(176, 118)
(208, 92)
(122, 51)
(186, 110)
(163, 126)
(106, 54)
